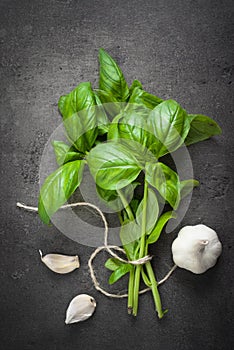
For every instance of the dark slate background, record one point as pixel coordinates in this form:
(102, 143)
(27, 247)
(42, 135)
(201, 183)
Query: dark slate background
(178, 49)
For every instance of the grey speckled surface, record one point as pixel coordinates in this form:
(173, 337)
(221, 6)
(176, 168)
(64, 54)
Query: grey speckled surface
(178, 49)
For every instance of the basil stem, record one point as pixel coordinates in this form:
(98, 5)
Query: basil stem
(132, 271)
(126, 205)
(142, 251)
(154, 288)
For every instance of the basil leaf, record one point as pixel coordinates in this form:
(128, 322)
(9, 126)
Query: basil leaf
(65, 153)
(82, 97)
(135, 83)
(58, 187)
(155, 234)
(132, 124)
(201, 128)
(111, 77)
(170, 125)
(152, 211)
(113, 264)
(165, 180)
(120, 272)
(144, 98)
(113, 166)
(80, 116)
(187, 186)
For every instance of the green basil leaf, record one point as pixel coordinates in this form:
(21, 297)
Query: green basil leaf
(82, 97)
(144, 98)
(111, 77)
(135, 83)
(65, 153)
(132, 124)
(201, 128)
(113, 264)
(80, 116)
(170, 125)
(113, 166)
(166, 181)
(58, 187)
(187, 186)
(152, 211)
(120, 272)
(155, 234)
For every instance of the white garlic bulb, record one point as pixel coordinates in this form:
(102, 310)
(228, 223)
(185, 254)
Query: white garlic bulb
(80, 308)
(196, 248)
(60, 263)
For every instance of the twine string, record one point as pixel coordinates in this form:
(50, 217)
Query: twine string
(107, 247)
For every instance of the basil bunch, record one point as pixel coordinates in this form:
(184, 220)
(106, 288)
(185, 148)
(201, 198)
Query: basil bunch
(121, 133)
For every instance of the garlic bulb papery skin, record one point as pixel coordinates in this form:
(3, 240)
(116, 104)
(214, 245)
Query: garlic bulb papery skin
(60, 263)
(80, 308)
(196, 248)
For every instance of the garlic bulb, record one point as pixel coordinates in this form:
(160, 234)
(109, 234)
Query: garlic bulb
(80, 308)
(60, 263)
(196, 248)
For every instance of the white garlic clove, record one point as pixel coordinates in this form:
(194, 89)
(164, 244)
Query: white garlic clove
(80, 308)
(196, 248)
(60, 263)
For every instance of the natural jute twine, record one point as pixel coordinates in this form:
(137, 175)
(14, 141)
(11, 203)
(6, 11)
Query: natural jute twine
(106, 247)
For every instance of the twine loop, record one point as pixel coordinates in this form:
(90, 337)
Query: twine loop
(108, 248)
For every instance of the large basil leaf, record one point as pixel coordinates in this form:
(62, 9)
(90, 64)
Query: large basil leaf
(111, 77)
(170, 125)
(152, 211)
(155, 234)
(187, 186)
(201, 128)
(65, 153)
(113, 166)
(132, 124)
(120, 272)
(58, 187)
(166, 181)
(144, 98)
(80, 116)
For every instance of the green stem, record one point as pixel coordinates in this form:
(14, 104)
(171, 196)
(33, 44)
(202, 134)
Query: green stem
(131, 290)
(141, 252)
(126, 205)
(132, 272)
(154, 287)
(120, 217)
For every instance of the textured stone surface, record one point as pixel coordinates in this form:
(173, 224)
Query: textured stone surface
(178, 49)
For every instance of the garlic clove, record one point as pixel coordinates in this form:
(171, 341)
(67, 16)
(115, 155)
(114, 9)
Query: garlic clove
(60, 263)
(80, 308)
(196, 248)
